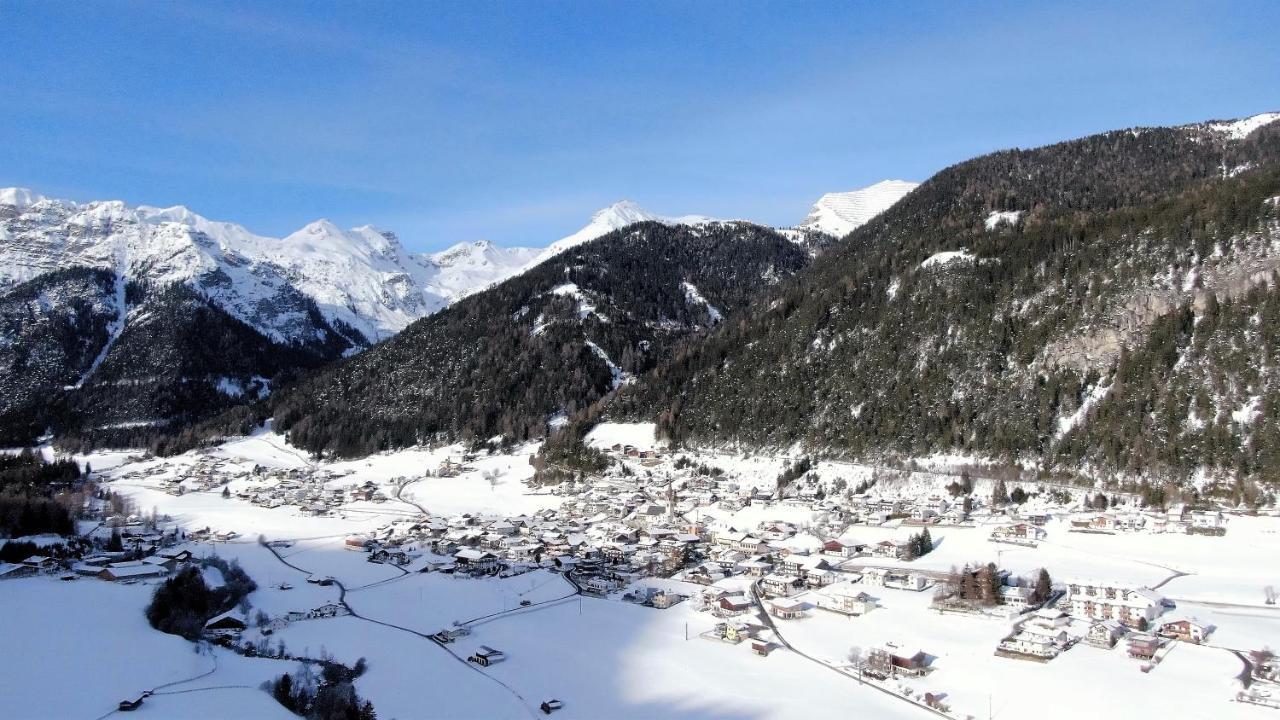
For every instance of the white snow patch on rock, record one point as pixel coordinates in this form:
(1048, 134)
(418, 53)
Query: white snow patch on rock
(640, 435)
(1068, 423)
(997, 217)
(1248, 412)
(693, 297)
(948, 257)
(840, 213)
(1240, 129)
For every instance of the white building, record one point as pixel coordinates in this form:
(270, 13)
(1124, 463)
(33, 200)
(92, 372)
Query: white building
(1098, 600)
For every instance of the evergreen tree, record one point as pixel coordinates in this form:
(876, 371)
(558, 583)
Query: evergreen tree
(1043, 588)
(999, 494)
(283, 692)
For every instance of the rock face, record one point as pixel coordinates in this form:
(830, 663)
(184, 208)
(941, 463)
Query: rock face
(1227, 277)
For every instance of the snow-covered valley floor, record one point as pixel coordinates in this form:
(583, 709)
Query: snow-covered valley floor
(604, 658)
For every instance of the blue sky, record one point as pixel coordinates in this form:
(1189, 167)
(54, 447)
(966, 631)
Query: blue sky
(514, 121)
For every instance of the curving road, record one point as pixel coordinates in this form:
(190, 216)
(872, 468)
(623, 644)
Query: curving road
(342, 600)
(768, 620)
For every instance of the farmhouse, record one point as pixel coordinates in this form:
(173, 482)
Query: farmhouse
(228, 624)
(131, 571)
(9, 571)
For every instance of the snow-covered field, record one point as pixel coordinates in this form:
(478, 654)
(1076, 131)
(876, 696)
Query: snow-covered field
(76, 649)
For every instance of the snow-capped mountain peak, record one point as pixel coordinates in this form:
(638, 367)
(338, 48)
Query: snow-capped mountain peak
(360, 277)
(19, 197)
(469, 267)
(616, 217)
(840, 213)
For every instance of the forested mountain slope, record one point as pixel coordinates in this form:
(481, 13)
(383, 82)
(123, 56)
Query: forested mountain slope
(1108, 301)
(99, 360)
(509, 360)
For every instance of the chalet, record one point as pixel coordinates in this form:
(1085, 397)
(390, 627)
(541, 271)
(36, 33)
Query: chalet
(328, 610)
(787, 608)
(1037, 641)
(43, 564)
(800, 564)
(394, 557)
(891, 549)
(1143, 647)
(475, 559)
(1015, 597)
(820, 577)
(1105, 634)
(228, 624)
(781, 585)
(1185, 630)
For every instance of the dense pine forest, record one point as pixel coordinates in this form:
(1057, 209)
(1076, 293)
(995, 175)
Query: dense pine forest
(552, 342)
(1117, 316)
(35, 497)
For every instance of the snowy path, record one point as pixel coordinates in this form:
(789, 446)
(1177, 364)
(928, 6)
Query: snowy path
(156, 690)
(342, 600)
